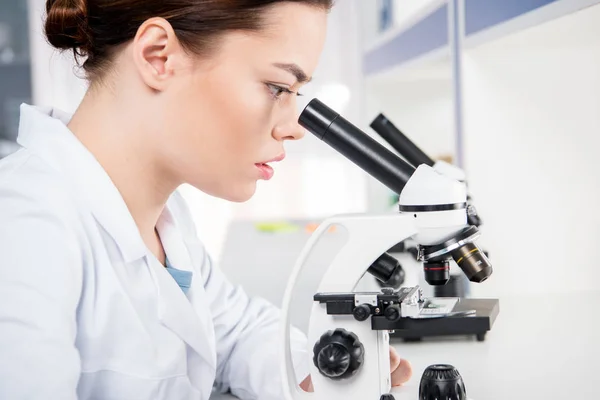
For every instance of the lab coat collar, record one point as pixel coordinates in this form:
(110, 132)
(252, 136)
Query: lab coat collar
(178, 311)
(44, 131)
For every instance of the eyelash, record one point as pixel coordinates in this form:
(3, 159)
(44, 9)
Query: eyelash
(280, 90)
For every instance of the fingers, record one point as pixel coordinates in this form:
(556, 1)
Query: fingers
(307, 385)
(402, 374)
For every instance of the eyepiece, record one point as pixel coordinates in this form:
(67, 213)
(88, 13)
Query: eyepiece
(402, 144)
(355, 145)
(317, 118)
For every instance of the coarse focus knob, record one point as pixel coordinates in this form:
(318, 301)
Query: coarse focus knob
(338, 354)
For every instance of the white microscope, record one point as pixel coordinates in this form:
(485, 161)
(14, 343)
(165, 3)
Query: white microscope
(405, 252)
(348, 332)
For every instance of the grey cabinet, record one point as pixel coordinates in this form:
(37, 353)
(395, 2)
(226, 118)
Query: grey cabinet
(15, 69)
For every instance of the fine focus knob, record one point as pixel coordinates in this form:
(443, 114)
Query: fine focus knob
(338, 354)
(442, 382)
(392, 313)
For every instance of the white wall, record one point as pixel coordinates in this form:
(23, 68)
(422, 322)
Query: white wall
(532, 121)
(405, 10)
(55, 79)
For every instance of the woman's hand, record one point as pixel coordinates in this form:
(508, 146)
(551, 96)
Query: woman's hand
(401, 372)
(307, 385)
(400, 368)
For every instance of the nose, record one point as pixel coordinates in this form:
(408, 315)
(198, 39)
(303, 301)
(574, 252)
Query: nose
(288, 131)
(289, 128)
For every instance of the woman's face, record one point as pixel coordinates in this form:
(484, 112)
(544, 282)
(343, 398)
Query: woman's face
(231, 114)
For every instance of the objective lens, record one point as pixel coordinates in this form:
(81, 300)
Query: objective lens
(437, 273)
(473, 262)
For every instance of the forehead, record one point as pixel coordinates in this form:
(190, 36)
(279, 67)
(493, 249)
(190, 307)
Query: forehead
(293, 33)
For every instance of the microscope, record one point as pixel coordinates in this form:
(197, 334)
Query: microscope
(406, 251)
(348, 331)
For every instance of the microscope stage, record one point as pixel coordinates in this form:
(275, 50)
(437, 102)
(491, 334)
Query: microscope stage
(463, 323)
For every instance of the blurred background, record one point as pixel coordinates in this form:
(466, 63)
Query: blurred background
(506, 90)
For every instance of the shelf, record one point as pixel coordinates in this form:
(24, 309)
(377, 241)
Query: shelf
(424, 35)
(485, 21)
(432, 66)
(420, 47)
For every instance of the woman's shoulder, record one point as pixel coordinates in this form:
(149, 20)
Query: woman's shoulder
(30, 184)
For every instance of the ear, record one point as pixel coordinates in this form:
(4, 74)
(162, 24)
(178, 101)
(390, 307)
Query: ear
(155, 52)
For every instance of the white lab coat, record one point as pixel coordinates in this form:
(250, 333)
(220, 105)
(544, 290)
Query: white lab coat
(86, 310)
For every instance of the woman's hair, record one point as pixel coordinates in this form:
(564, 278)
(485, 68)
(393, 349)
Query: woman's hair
(93, 28)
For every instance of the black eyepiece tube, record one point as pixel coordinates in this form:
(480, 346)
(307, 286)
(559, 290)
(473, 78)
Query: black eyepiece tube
(355, 145)
(403, 145)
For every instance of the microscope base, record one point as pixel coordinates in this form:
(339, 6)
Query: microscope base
(478, 325)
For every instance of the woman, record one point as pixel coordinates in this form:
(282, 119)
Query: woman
(105, 291)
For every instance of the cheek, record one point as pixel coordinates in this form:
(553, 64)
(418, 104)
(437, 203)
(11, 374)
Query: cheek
(236, 115)
(220, 123)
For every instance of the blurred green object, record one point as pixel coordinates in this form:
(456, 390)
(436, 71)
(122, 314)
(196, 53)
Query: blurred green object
(276, 227)
(394, 199)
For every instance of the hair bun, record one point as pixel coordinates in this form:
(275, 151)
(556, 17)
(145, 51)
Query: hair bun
(66, 25)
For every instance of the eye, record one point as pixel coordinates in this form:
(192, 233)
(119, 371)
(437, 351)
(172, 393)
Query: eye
(277, 90)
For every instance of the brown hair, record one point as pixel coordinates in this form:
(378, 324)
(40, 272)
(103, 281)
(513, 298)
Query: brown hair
(93, 28)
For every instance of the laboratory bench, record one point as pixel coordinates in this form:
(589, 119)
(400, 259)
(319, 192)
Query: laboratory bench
(540, 347)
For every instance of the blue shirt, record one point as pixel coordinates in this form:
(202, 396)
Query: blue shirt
(183, 278)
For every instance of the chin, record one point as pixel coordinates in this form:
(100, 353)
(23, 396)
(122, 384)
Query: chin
(240, 195)
(235, 192)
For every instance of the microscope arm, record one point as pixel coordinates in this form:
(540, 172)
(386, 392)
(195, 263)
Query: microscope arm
(373, 235)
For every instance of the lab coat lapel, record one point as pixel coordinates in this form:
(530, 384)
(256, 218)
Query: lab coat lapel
(180, 312)
(176, 313)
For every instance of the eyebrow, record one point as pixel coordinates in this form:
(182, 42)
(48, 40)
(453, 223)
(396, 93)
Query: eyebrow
(295, 70)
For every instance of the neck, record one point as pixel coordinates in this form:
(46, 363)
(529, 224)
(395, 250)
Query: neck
(125, 149)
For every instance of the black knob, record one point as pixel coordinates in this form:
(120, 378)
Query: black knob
(472, 217)
(395, 280)
(442, 382)
(338, 354)
(387, 397)
(392, 313)
(361, 312)
(414, 252)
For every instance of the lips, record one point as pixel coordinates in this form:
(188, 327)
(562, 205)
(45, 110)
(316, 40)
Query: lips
(276, 159)
(266, 171)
